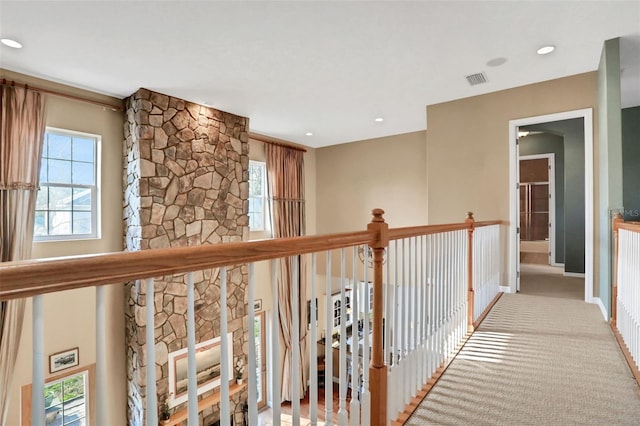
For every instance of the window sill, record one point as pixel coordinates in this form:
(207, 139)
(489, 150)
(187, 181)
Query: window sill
(260, 235)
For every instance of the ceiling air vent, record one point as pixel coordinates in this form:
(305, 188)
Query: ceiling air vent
(478, 78)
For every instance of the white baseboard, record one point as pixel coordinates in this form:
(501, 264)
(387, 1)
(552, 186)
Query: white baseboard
(598, 302)
(557, 264)
(573, 274)
(505, 289)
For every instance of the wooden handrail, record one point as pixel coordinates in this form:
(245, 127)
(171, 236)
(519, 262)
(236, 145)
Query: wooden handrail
(40, 276)
(414, 231)
(629, 226)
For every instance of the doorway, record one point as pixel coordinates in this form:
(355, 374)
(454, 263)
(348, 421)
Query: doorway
(514, 195)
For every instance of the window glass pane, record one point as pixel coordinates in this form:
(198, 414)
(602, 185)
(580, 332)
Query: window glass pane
(59, 171)
(82, 199)
(40, 227)
(59, 146)
(81, 222)
(83, 149)
(59, 223)
(60, 198)
(256, 175)
(83, 173)
(42, 201)
(43, 170)
(255, 221)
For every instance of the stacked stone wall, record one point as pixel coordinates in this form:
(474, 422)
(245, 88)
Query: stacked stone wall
(186, 184)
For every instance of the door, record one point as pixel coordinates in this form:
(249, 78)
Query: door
(534, 211)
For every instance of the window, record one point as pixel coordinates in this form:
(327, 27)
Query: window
(65, 402)
(258, 210)
(66, 207)
(69, 398)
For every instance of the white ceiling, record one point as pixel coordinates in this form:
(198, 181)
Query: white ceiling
(329, 68)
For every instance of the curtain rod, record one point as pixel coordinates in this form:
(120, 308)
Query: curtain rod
(262, 139)
(61, 95)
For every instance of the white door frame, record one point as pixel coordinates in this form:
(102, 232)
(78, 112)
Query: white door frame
(514, 194)
(551, 158)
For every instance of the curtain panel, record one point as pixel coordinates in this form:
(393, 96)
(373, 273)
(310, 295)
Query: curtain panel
(22, 127)
(285, 177)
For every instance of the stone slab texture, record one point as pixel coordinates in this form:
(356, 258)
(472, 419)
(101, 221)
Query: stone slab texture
(186, 184)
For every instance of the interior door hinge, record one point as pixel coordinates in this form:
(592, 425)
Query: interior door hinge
(518, 230)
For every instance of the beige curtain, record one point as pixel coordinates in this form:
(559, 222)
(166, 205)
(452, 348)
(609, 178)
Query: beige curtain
(22, 124)
(285, 176)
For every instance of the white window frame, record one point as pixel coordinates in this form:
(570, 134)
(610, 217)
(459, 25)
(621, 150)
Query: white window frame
(95, 189)
(266, 213)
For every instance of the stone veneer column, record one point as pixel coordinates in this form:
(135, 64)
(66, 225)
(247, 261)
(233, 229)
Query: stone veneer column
(186, 183)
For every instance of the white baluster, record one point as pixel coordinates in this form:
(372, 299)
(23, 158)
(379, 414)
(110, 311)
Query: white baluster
(328, 340)
(252, 376)
(366, 347)
(192, 380)
(313, 347)
(37, 390)
(152, 397)
(406, 373)
(355, 345)
(395, 351)
(276, 373)
(431, 280)
(422, 305)
(413, 383)
(342, 397)
(225, 362)
(295, 342)
(102, 394)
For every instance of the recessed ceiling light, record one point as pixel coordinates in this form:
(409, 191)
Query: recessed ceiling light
(545, 50)
(10, 43)
(379, 119)
(309, 134)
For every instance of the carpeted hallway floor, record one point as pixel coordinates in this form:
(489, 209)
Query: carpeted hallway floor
(541, 357)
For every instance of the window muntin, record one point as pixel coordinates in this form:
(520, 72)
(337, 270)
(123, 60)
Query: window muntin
(66, 205)
(258, 206)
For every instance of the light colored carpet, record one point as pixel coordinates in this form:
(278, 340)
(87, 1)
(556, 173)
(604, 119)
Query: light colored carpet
(536, 360)
(545, 280)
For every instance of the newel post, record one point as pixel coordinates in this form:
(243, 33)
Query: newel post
(617, 220)
(470, 296)
(377, 369)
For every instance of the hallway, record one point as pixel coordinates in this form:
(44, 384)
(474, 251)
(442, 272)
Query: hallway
(542, 357)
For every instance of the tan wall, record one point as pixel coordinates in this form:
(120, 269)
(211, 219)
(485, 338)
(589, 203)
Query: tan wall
(468, 144)
(356, 177)
(70, 315)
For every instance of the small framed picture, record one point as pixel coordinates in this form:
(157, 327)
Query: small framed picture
(63, 360)
(257, 305)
